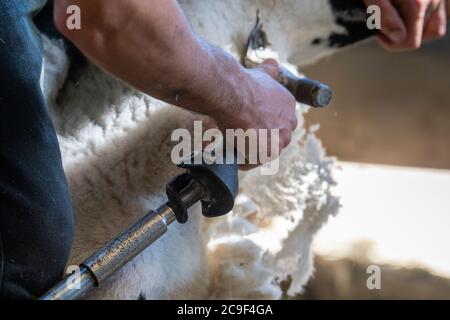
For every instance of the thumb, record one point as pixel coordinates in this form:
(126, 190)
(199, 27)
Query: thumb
(270, 67)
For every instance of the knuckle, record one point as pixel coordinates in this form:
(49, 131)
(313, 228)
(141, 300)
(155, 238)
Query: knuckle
(419, 5)
(269, 69)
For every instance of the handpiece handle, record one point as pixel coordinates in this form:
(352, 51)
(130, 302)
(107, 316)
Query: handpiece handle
(313, 93)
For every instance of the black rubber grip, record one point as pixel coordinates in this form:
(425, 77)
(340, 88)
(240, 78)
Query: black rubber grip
(313, 93)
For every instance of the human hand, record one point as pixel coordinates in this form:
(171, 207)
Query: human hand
(262, 103)
(406, 24)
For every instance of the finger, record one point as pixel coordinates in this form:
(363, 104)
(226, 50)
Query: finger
(433, 6)
(271, 67)
(413, 13)
(436, 26)
(393, 30)
(267, 150)
(209, 123)
(388, 45)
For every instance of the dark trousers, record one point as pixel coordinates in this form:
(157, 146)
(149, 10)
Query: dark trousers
(36, 216)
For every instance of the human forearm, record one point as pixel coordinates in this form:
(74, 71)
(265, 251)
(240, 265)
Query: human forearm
(149, 45)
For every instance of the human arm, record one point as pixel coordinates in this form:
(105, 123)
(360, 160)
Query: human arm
(150, 45)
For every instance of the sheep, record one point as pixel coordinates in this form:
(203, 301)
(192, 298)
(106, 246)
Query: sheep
(116, 147)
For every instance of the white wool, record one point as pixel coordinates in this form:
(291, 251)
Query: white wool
(291, 25)
(275, 218)
(116, 151)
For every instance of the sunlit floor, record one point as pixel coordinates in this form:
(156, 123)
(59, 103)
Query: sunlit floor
(404, 212)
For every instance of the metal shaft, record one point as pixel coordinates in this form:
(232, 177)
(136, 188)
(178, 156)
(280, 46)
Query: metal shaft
(113, 256)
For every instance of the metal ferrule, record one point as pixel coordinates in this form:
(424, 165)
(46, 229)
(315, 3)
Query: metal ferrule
(129, 244)
(115, 255)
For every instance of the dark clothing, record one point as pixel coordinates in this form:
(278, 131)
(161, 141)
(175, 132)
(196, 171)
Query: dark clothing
(36, 216)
